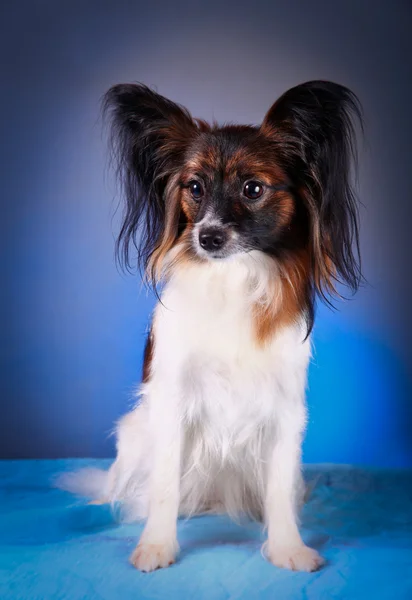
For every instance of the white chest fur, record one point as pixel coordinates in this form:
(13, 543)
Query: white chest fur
(205, 347)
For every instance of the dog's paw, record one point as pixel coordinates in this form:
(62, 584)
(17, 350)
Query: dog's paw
(298, 558)
(149, 557)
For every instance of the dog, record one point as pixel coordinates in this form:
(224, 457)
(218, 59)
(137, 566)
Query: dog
(240, 229)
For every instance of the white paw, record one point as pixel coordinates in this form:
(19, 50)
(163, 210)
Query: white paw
(149, 557)
(298, 558)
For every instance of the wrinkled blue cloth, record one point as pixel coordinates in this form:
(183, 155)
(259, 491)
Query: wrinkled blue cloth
(53, 545)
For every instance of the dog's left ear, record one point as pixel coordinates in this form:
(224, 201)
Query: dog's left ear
(314, 128)
(149, 136)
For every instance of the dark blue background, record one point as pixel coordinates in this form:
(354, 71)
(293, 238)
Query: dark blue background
(73, 326)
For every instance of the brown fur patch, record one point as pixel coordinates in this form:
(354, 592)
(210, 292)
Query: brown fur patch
(283, 207)
(187, 207)
(324, 269)
(148, 357)
(289, 301)
(170, 233)
(182, 253)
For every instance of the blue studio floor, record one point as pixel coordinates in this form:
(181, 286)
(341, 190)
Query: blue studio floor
(55, 546)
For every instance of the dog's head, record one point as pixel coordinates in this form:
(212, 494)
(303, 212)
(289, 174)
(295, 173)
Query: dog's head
(281, 188)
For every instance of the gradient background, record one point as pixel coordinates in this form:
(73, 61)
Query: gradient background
(73, 327)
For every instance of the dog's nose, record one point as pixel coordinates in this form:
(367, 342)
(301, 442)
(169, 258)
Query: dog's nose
(212, 239)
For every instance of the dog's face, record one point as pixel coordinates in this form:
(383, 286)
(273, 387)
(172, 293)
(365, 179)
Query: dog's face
(282, 188)
(234, 195)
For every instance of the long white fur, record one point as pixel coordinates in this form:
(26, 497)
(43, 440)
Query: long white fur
(219, 423)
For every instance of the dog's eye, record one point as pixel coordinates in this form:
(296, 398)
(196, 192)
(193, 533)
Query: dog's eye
(253, 190)
(196, 190)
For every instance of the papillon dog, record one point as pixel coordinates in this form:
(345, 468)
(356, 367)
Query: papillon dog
(239, 228)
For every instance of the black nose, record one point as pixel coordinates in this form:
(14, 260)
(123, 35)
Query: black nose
(212, 239)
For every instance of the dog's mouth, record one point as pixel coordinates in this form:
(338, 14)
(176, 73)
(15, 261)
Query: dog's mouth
(227, 253)
(219, 256)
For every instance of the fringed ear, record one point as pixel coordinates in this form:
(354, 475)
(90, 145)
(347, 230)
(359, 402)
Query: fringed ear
(149, 136)
(314, 126)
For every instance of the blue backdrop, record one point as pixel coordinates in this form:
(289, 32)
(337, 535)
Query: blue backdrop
(73, 326)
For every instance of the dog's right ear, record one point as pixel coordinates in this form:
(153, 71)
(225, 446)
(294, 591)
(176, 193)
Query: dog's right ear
(149, 136)
(314, 126)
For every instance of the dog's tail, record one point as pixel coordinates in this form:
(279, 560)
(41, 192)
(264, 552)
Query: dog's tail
(127, 491)
(89, 482)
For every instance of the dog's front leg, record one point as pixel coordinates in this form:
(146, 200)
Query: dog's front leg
(158, 544)
(284, 546)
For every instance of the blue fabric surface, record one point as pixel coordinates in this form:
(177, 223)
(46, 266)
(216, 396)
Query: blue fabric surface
(55, 546)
